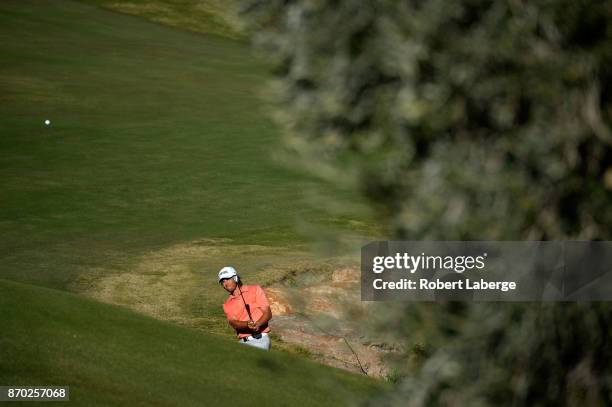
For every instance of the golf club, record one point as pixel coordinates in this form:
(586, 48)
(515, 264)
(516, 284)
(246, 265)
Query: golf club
(248, 310)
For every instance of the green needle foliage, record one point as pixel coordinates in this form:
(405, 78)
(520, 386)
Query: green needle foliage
(461, 115)
(469, 119)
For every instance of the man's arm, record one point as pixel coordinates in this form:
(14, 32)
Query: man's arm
(240, 325)
(265, 318)
(262, 304)
(235, 323)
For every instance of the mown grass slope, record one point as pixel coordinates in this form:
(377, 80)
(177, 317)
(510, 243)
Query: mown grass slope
(110, 356)
(156, 170)
(157, 136)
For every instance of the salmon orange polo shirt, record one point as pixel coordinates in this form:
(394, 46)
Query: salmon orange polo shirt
(234, 307)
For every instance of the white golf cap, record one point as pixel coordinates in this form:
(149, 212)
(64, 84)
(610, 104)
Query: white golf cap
(227, 272)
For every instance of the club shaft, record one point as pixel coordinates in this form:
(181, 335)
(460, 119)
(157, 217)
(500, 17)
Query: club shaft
(245, 304)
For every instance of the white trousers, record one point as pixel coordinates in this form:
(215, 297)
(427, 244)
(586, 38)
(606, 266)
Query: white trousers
(261, 343)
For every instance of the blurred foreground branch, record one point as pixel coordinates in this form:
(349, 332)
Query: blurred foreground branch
(470, 119)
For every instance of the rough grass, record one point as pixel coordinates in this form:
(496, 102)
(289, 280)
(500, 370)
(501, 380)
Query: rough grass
(179, 283)
(203, 16)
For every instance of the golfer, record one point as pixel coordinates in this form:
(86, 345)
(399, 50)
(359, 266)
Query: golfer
(247, 309)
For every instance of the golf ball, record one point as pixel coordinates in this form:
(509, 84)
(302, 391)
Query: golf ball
(47, 122)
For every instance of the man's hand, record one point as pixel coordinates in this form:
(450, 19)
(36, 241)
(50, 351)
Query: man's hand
(254, 326)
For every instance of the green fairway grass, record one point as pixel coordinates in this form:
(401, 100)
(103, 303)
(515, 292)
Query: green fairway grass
(157, 137)
(113, 357)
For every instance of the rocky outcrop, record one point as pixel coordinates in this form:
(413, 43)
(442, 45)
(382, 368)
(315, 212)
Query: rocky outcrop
(313, 317)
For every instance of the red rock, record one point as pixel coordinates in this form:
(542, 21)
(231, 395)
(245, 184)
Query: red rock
(278, 302)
